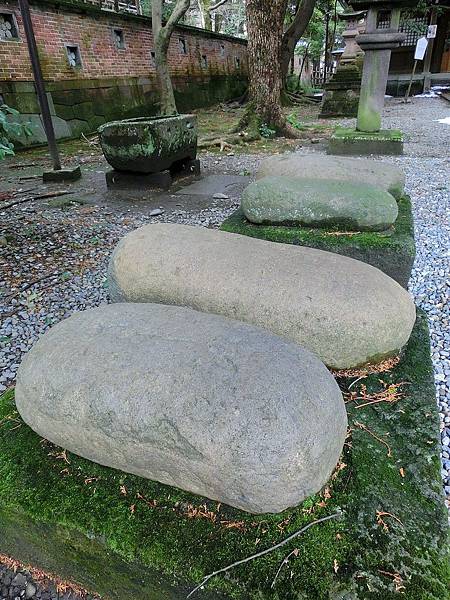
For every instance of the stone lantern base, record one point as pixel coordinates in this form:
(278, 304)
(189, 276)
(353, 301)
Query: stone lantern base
(349, 141)
(341, 95)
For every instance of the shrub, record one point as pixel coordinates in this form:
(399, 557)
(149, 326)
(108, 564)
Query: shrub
(10, 129)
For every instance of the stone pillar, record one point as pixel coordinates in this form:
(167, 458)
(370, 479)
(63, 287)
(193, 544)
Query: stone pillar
(377, 42)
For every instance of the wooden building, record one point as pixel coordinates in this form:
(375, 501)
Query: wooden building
(434, 70)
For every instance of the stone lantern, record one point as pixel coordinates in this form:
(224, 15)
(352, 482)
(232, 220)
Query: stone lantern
(380, 37)
(341, 93)
(351, 51)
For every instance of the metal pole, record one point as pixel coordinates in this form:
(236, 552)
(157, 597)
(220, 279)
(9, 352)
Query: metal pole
(39, 83)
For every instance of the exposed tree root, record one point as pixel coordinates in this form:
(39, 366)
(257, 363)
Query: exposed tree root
(226, 141)
(289, 99)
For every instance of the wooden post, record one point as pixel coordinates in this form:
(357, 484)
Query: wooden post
(410, 81)
(428, 55)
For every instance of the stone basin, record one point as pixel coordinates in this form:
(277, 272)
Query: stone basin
(149, 144)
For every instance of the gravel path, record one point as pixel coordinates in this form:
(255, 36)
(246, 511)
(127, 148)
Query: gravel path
(70, 248)
(17, 583)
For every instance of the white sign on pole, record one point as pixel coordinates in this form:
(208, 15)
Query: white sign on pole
(421, 48)
(431, 32)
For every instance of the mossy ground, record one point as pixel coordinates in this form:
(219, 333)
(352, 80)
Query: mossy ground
(391, 251)
(383, 134)
(357, 557)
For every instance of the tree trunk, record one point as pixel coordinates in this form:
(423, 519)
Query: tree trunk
(265, 21)
(205, 14)
(294, 32)
(161, 39)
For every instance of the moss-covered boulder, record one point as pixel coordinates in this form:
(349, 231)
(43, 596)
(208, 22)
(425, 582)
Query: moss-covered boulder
(392, 251)
(282, 200)
(116, 533)
(317, 166)
(207, 404)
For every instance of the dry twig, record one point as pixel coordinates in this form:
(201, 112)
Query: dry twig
(285, 561)
(38, 197)
(367, 430)
(91, 142)
(396, 578)
(380, 520)
(31, 283)
(390, 393)
(263, 552)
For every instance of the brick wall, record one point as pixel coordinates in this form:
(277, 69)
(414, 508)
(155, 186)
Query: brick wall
(111, 82)
(93, 33)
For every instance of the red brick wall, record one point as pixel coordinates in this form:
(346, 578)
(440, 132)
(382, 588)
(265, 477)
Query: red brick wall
(92, 33)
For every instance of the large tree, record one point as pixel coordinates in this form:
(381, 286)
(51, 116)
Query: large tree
(207, 7)
(265, 28)
(303, 12)
(270, 48)
(161, 38)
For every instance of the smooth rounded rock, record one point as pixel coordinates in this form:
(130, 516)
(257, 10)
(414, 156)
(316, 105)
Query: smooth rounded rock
(197, 401)
(345, 311)
(280, 200)
(341, 168)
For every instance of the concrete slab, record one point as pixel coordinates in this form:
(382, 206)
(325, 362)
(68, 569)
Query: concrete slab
(70, 174)
(229, 185)
(349, 142)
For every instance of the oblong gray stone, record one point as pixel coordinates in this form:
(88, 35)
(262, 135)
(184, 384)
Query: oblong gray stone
(197, 401)
(278, 200)
(345, 311)
(342, 168)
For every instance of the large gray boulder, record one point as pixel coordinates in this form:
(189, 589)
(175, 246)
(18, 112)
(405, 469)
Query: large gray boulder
(278, 200)
(197, 401)
(345, 311)
(342, 168)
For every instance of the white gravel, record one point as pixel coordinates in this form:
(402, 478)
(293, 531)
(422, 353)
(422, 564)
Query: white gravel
(41, 241)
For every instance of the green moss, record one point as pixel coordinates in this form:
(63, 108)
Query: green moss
(391, 251)
(96, 511)
(382, 135)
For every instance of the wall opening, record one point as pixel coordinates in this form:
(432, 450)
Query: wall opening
(119, 39)
(8, 27)
(73, 56)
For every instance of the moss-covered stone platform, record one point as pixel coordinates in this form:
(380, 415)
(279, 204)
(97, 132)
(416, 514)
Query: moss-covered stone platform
(114, 532)
(390, 251)
(346, 141)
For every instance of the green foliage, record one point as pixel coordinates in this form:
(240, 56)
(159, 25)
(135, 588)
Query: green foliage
(293, 120)
(266, 132)
(313, 41)
(10, 129)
